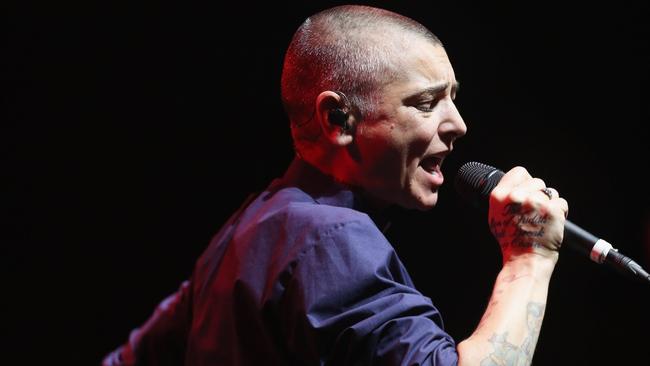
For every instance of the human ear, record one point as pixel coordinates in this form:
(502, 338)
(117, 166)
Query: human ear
(334, 118)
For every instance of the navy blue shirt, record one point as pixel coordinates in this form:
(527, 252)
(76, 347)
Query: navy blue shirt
(299, 276)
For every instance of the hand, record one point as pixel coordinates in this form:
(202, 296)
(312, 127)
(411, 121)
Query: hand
(526, 222)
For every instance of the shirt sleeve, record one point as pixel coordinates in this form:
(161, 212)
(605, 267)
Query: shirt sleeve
(161, 340)
(350, 301)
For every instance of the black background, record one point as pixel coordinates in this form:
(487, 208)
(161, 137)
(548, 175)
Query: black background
(130, 132)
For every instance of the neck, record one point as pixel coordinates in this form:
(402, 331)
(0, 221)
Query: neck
(339, 172)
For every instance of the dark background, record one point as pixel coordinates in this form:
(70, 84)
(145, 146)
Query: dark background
(130, 132)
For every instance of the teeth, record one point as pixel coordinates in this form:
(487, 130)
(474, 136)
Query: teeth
(431, 165)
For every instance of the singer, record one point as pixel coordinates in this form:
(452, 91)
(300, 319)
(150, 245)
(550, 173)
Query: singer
(302, 274)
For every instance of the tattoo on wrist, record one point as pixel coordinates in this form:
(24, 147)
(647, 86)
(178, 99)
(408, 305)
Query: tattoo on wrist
(506, 353)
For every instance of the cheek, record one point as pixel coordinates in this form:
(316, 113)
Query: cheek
(394, 148)
(379, 142)
(383, 154)
(420, 138)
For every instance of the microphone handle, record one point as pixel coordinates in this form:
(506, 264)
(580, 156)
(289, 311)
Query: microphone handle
(601, 251)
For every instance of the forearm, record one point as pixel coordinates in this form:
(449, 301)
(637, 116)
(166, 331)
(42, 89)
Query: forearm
(508, 331)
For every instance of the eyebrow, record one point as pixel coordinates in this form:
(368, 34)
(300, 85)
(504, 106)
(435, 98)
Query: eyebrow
(432, 91)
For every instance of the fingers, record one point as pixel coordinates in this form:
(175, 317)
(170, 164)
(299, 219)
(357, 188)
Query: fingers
(554, 197)
(518, 186)
(548, 192)
(562, 205)
(513, 178)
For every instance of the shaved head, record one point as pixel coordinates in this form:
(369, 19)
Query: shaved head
(352, 49)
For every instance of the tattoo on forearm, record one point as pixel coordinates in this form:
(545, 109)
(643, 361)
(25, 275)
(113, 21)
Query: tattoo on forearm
(506, 353)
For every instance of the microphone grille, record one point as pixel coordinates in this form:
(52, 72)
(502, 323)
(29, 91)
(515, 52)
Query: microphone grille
(474, 181)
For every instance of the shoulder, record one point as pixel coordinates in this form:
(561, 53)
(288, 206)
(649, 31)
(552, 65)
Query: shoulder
(302, 229)
(334, 228)
(341, 244)
(295, 211)
(326, 217)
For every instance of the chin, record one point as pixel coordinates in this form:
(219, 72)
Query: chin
(427, 206)
(424, 202)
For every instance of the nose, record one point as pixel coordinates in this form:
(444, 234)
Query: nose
(452, 126)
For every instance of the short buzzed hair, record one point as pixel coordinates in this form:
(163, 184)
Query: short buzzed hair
(349, 48)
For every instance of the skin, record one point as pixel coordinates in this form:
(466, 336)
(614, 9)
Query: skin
(416, 118)
(386, 159)
(529, 228)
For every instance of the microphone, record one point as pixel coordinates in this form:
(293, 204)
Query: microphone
(475, 181)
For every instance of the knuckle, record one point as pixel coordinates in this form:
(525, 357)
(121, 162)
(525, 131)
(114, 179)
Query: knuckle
(519, 169)
(497, 197)
(517, 195)
(565, 206)
(565, 203)
(538, 182)
(518, 174)
(537, 200)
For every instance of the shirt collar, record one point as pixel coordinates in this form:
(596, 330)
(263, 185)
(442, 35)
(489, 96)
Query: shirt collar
(325, 190)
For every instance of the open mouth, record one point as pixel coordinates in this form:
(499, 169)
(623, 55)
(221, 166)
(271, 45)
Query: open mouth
(431, 164)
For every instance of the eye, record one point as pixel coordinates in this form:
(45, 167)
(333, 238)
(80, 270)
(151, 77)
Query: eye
(427, 105)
